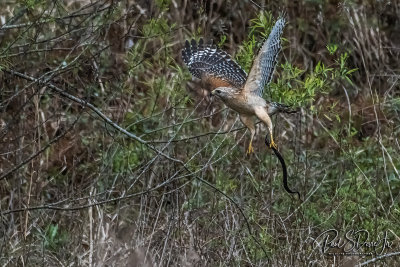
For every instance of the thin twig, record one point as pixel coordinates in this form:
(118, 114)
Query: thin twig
(380, 257)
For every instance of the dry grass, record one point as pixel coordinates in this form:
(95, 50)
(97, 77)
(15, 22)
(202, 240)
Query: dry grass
(111, 156)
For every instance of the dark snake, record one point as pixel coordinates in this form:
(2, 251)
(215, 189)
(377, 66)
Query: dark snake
(284, 169)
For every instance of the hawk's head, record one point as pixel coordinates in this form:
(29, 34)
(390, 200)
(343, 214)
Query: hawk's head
(225, 93)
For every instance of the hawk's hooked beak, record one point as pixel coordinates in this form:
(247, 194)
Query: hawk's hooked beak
(212, 93)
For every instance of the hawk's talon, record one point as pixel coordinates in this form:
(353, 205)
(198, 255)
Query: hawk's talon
(273, 144)
(250, 150)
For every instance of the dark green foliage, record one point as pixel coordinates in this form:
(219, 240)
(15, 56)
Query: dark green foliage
(54, 238)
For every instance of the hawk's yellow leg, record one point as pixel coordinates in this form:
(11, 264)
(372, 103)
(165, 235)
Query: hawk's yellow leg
(262, 114)
(272, 144)
(250, 149)
(248, 121)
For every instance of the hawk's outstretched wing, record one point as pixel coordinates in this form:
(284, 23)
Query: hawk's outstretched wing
(212, 65)
(265, 62)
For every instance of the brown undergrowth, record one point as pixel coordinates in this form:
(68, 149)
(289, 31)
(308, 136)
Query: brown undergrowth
(111, 155)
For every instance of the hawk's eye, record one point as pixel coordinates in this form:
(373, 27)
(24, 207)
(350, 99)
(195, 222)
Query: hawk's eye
(218, 91)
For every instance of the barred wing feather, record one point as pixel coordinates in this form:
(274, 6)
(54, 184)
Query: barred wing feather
(212, 65)
(265, 62)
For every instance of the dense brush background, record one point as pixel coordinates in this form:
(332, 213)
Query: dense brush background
(176, 188)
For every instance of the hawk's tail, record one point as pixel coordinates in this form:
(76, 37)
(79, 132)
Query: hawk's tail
(275, 107)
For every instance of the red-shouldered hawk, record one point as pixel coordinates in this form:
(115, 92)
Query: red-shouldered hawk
(230, 83)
